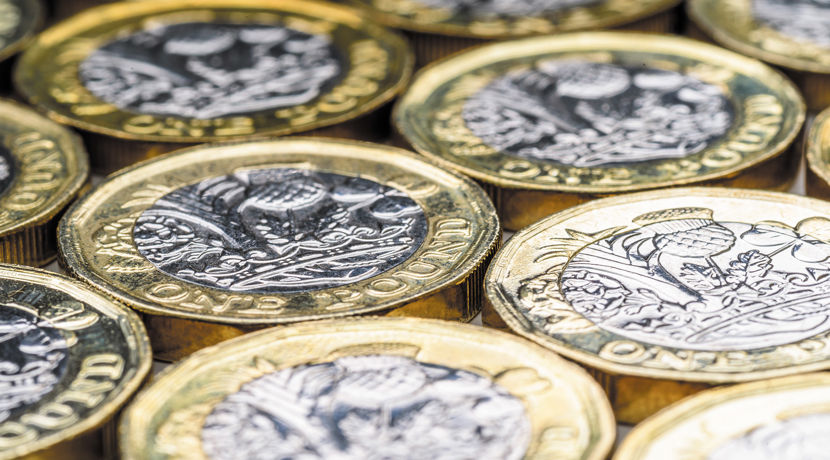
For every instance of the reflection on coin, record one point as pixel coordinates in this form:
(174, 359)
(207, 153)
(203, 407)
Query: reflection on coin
(670, 292)
(213, 241)
(792, 34)
(438, 28)
(549, 123)
(43, 167)
(158, 74)
(69, 360)
(780, 419)
(374, 388)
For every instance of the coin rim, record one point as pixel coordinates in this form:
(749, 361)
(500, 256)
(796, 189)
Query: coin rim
(500, 267)
(16, 46)
(641, 437)
(122, 10)
(127, 320)
(438, 73)
(132, 447)
(463, 31)
(815, 151)
(72, 259)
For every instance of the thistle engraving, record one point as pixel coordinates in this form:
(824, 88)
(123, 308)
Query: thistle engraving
(590, 114)
(372, 406)
(478, 8)
(803, 20)
(211, 70)
(797, 438)
(280, 230)
(684, 280)
(33, 357)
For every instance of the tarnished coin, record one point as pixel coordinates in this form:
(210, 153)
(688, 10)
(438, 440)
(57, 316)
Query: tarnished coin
(780, 419)
(143, 78)
(43, 167)
(70, 358)
(437, 28)
(373, 388)
(547, 123)
(669, 292)
(794, 34)
(214, 241)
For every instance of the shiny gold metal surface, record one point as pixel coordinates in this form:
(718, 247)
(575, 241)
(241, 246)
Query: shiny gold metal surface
(43, 167)
(438, 29)
(662, 294)
(143, 78)
(547, 123)
(817, 154)
(394, 385)
(71, 359)
(218, 240)
(788, 34)
(777, 419)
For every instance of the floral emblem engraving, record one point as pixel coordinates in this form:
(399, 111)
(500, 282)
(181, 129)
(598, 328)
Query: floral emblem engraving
(591, 114)
(796, 438)
(33, 358)
(684, 280)
(371, 406)
(210, 70)
(280, 230)
(803, 20)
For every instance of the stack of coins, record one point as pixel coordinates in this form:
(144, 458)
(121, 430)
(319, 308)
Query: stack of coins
(260, 198)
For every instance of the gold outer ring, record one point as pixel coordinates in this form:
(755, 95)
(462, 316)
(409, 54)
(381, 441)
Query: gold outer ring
(650, 376)
(51, 169)
(730, 23)
(379, 66)
(569, 416)
(694, 427)
(81, 438)
(34, 17)
(525, 190)
(434, 36)
(817, 153)
(441, 279)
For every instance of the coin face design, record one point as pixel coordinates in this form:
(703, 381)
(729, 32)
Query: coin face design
(806, 436)
(477, 8)
(33, 359)
(280, 230)
(804, 20)
(368, 406)
(7, 169)
(587, 114)
(211, 70)
(686, 281)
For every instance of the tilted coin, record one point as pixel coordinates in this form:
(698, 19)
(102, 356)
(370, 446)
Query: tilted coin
(548, 123)
(218, 240)
(817, 153)
(43, 167)
(438, 28)
(373, 388)
(665, 293)
(70, 358)
(780, 419)
(793, 34)
(144, 78)
(19, 20)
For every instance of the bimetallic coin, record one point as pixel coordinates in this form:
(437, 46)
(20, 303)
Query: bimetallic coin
(548, 123)
(157, 75)
(665, 293)
(214, 241)
(371, 388)
(438, 28)
(792, 34)
(780, 419)
(817, 153)
(43, 167)
(70, 358)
